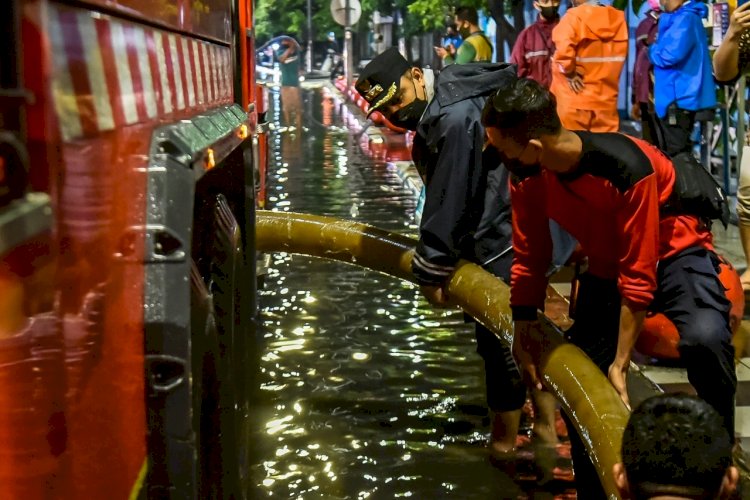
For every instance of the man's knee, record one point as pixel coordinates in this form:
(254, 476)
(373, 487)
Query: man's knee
(706, 331)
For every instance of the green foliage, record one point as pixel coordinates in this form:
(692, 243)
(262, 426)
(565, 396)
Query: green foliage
(429, 15)
(289, 17)
(637, 5)
(620, 4)
(275, 17)
(623, 4)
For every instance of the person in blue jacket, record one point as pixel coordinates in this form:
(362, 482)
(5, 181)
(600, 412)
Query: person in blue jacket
(683, 77)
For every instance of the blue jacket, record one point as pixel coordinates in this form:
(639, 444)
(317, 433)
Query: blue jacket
(682, 66)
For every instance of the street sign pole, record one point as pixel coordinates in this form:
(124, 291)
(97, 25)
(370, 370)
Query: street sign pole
(348, 46)
(308, 58)
(346, 13)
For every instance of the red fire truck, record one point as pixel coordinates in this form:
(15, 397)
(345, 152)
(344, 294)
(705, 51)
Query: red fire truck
(129, 158)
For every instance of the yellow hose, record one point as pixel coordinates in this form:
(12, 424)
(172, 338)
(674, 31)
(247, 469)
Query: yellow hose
(583, 391)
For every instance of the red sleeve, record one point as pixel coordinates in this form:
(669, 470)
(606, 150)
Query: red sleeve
(532, 246)
(638, 223)
(518, 56)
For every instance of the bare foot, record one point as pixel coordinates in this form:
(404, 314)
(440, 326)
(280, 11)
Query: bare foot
(745, 280)
(546, 434)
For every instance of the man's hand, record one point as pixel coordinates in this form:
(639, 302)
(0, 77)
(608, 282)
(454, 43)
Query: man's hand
(618, 376)
(441, 52)
(526, 338)
(738, 22)
(435, 295)
(576, 83)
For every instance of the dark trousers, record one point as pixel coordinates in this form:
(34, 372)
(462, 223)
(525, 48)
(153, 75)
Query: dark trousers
(690, 294)
(505, 388)
(650, 129)
(677, 135)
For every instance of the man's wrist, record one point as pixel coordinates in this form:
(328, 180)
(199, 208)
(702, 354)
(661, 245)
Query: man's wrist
(733, 35)
(621, 362)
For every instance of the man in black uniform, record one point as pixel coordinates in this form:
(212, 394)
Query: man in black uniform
(467, 205)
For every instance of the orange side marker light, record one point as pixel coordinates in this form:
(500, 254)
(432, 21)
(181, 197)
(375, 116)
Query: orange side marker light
(210, 162)
(243, 132)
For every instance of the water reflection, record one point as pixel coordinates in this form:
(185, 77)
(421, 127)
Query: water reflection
(366, 391)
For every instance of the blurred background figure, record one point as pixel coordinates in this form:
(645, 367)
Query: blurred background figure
(643, 76)
(731, 59)
(534, 48)
(291, 97)
(683, 78)
(475, 47)
(591, 42)
(333, 61)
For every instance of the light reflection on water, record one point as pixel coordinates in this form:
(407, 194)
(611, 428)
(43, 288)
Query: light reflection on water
(366, 392)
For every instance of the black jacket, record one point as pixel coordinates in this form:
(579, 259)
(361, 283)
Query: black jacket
(467, 205)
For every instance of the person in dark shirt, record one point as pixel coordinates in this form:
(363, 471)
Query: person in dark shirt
(467, 210)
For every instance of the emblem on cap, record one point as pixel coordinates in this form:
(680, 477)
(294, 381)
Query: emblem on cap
(391, 92)
(373, 92)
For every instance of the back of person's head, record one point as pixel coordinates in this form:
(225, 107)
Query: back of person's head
(468, 14)
(675, 444)
(523, 110)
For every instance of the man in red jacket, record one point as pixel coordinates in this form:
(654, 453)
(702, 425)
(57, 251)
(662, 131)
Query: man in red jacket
(534, 47)
(609, 191)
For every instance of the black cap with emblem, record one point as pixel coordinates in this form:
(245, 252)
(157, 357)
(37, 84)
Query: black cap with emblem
(381, 78)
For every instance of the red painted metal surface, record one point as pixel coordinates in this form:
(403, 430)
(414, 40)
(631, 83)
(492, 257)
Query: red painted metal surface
(207, 18)
(72, 388)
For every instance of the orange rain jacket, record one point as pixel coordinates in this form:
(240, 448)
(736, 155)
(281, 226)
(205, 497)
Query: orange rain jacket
(591, 40)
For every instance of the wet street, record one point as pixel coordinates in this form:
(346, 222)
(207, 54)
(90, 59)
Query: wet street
(365, 391)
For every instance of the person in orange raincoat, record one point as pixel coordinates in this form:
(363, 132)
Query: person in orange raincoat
(591, 42)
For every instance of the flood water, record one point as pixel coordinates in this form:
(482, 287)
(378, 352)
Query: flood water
(366, 391)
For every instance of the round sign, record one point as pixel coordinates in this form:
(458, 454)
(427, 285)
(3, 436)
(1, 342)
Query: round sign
(339, 10)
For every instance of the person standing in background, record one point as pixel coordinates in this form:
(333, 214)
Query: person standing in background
(682, 72)
(291, 96)
(475, 47)
(534, 48)
(732, 59)
(643, 76)
(591, 42)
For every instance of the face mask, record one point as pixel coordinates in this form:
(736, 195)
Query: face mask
(521, 170)
(408, 116)
(550, 12)
(465, 32)
(515, 166)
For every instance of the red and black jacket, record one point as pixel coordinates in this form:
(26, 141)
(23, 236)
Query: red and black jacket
(611, 204)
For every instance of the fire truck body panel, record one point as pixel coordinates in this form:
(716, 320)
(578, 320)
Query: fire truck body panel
(111, 382)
